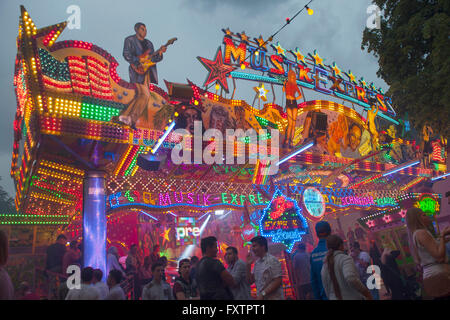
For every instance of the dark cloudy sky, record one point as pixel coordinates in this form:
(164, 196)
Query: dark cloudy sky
(335, 30)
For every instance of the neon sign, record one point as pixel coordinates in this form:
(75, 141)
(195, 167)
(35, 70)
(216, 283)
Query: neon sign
(240, 199)
(311, 72)
(249, 231)
(282, 221)
(204, 200)
(386, 201)
(168, 198)
(363, 201)
(428, 204)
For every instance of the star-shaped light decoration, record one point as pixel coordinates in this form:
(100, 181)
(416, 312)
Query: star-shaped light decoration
(298, 56)
(218, 71)
(387, 218)
(336, 70)
(243, 36)
(363, 83)
(47, 35)
(318, 61)
(261, 42)
(370, 223)
(227, 32)
(402, 213)
(165, 235)
(27, 26)
(350, 76)
(279, 49)
(261, 91)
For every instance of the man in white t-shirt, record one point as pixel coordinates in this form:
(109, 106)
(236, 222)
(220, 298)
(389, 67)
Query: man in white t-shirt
(102, 287)
(115, 290)
(87, 290)
(267, 273)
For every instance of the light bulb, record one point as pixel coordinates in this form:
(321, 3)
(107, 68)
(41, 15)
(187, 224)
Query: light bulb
(310, 11)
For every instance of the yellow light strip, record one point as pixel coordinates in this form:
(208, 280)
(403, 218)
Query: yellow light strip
(124, 158)
(60, 176)
(57, 166)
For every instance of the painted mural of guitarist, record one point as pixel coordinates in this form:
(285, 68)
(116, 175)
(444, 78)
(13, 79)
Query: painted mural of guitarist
(140, 54)
(136, 46)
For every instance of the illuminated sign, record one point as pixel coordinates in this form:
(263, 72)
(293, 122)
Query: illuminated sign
(168, 198)
(428, 204)
(248, 232)
(186, 231)
(282, 221)
(203, 200)
(314, 203)
(360, 201)
(386, 201)
(240, 199)
(311, 72)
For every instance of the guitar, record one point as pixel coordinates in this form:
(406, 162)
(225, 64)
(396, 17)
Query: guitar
(146, 60)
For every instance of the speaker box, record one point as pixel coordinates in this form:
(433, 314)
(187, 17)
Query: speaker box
(148, 162)
(179, 91)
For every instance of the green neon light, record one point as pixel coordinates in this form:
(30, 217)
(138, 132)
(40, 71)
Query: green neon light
(428, 205)
(98, 112)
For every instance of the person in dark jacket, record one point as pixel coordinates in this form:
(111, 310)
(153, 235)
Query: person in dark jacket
(323, 230)
(392, 274)
(55, 254)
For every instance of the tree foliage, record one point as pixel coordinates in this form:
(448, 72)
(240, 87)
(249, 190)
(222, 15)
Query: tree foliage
(6, 202)
(413, 51)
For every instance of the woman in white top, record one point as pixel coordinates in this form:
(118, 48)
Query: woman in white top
(6, 287)
(430, 252)
(339, 275)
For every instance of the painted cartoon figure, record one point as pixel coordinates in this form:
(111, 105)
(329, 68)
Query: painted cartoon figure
(371, 114)
(427, 132)
(337, 131)
(291, 89)
(351, 142)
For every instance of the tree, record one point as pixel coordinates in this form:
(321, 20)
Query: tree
(6, 202)
(413, 51)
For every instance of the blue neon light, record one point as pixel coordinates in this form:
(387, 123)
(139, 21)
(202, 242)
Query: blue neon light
(309, 145)
(203, 216)
(440, 177)
(149, 215)
(94, 222)
(287, 237)
(401, 168)
(161, 140)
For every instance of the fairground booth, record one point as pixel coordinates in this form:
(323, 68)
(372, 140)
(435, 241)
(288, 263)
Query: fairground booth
(169, 180)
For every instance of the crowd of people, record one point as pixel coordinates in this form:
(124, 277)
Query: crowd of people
(329, 272)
